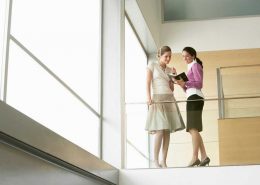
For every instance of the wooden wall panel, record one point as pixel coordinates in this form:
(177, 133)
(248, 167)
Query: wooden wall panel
(239, 141)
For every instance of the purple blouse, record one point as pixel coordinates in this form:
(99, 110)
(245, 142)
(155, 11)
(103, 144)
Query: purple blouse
(195, 76)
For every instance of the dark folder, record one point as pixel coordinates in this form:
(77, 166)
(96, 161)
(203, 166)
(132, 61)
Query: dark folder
(181, 76)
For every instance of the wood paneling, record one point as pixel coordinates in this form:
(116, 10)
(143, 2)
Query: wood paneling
(239, 141)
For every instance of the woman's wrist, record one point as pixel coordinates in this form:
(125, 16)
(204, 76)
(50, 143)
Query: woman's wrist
(149, 101)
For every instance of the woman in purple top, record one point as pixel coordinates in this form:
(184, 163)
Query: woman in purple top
(195, 103)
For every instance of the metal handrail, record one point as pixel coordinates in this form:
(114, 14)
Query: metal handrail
(250, 65)
(208, 99)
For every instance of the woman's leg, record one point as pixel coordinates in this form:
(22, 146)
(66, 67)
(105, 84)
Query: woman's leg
(196, 143)
(157, 146)
(205, 160)
(166, 141)
(202, 148)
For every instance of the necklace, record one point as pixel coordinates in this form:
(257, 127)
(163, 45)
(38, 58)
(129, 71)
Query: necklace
(163, 68)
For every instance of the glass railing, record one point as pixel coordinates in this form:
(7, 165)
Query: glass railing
(228, 118)
(242, 107)
(139, 148)
(231, 123)
(238, 91)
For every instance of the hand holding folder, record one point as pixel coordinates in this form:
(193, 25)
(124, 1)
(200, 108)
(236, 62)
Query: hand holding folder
(181, 76)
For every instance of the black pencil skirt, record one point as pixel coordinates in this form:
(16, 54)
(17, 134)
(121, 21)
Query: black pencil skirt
(194, 113)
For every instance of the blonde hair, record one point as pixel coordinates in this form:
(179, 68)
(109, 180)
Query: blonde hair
(163, 50)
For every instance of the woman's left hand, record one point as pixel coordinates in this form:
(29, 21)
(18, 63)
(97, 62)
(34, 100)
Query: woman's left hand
(171, 84)
(180, 83)
(174, 71)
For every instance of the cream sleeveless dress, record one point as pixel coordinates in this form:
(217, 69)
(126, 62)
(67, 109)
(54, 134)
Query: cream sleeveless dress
(162, 116)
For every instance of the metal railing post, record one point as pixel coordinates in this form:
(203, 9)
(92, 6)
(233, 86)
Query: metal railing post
(221, 105)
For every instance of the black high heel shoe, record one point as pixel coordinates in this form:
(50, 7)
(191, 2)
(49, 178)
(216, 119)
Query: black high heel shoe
(195, 163)
(205, 162)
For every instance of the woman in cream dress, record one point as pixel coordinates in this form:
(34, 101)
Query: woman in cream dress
(163, 116)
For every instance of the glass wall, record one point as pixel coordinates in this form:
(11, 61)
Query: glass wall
(54, 67)
(137, 153)
(241, 90)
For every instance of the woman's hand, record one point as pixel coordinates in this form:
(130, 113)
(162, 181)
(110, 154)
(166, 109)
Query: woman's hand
(171, 84)
(149, 101)
(181, 83)
(174, 71)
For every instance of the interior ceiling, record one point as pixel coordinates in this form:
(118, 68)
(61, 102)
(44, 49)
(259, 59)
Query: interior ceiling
(181, 10)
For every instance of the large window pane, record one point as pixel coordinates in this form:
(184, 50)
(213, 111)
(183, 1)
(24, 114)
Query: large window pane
(3, 29)
(137, 136)
(36, 93)
(135, 67)
(136, 118)
(135, 159)
(65, 36)
(135, 77)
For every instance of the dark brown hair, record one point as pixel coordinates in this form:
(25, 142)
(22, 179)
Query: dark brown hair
(193, 53)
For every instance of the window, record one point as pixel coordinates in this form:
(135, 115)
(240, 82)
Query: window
(53, 69)
(135, 96)
(3, 30)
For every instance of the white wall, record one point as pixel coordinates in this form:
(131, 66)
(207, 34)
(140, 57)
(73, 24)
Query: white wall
(229, 175)
(113, 79)
(140, 25)
(151, 11)
(211, 35)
